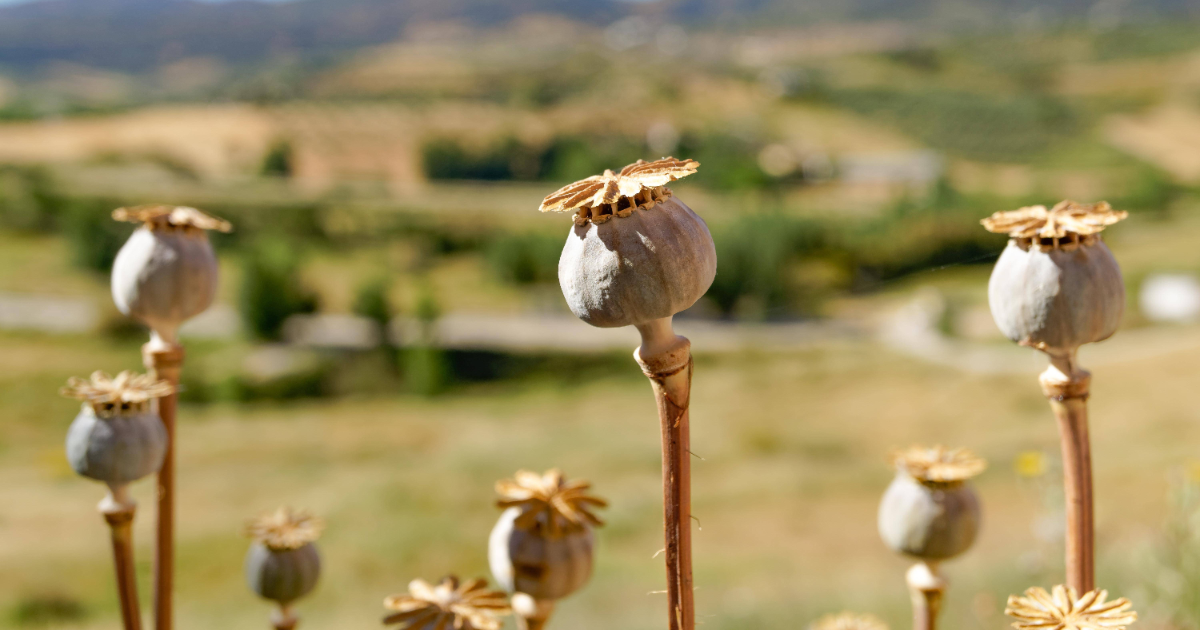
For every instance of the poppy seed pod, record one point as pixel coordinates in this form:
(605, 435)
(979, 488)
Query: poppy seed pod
(117, 438)
(166, 273)
(636, 252)
(1056, 286)
(543, 544)
(282, 564)
(930, 511)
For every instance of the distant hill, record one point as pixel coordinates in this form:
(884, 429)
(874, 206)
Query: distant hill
(133, 35)
(136, 34)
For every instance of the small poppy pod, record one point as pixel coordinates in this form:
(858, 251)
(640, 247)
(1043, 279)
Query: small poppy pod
(543, 544)
(1056, 286)
(636, 252)
(166, 273)
(282, 564)
(540, 565)
(118, 437)
(930, 511)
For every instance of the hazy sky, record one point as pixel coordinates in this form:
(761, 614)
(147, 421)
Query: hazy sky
(8, 2)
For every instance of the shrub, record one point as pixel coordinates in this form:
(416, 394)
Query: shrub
(524, 259)
(756, 255)
(278, 161)
(29, 199)
(94, 236)
(271, 288)
(371, 301)
(47, 610)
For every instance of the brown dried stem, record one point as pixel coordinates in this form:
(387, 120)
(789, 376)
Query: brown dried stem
(1067, 387)
(118, 510)
(666, 359)
(165, 361)
(926, 588)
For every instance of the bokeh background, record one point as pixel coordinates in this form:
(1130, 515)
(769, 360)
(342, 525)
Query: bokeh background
(390, 338)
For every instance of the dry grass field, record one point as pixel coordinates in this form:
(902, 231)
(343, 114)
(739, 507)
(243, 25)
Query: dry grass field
(793, 464)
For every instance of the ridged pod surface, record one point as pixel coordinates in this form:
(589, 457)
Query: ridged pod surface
(164, 277)
(282, 575)
(546, 567)
(1057, 297)
(119, 449)
(928, 521)
(651, 264)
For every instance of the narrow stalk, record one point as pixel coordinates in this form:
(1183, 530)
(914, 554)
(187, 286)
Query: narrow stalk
(926, 588)
(118, 510)
(666, 359)
(532, 614)
(165, 360)
(1067, 387)
(284, 618)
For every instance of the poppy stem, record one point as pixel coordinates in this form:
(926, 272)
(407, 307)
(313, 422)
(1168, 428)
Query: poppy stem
(165, 361)
(118, 509)
(666, 359)
(1067, 386)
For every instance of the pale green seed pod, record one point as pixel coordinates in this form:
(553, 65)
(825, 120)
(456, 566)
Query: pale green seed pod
(636, 253)
(930, 510)
(166, 273)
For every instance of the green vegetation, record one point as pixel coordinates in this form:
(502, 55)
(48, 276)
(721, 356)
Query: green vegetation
(976, 126)
(279, 161)
(271, 289)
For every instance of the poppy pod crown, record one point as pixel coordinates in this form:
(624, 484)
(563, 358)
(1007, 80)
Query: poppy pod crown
(1068, 224)
(448, 604)
(602, 197)
(938, 465)
(108, 396)
(549, 502)
(1064, 609)
(285, 529)
(166, 217)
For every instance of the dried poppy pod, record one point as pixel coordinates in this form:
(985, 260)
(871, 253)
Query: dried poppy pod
(1057, 285)
(118, 438)
(542, 546)
(1055, 288)
(637, 255)
(282, 564)
(1064, 609)
(166, 273)
(448, 604)
(931, 513)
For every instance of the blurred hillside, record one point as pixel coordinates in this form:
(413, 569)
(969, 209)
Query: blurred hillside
(156, 32)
